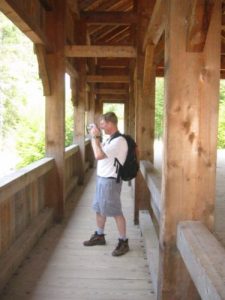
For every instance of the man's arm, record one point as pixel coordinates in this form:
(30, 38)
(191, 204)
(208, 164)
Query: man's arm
(97, 149)
(96, 144)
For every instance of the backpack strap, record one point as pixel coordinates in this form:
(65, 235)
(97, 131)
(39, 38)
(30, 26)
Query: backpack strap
(117, 164)
(115, 135)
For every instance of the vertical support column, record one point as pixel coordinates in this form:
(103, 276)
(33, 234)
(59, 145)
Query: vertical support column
(126, 117)
(144, 112)
(98, 109)
(55, 107)
(131, 96)
(149, 102)
(80, 29)
(190, 140)
(91, 112)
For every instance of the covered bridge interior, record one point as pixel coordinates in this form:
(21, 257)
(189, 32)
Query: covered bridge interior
(113, 51)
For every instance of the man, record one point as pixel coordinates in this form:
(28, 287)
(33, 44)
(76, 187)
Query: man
(107, 196)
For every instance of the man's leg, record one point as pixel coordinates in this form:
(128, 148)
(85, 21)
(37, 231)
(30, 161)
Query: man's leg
(100, 221)
(121, 225)
(122, 246)
(98, 238)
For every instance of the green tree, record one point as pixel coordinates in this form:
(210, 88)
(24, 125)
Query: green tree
(22, 105)
(159, 100)
(221, 125)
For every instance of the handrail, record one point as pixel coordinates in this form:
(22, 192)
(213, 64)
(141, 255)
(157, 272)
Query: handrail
(153, 180)
(70, 150)
(204, 258)
(23, 177)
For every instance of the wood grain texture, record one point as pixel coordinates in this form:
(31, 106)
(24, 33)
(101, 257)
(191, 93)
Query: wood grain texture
(60, 267)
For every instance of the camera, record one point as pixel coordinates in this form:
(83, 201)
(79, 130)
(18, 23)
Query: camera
(89, 127)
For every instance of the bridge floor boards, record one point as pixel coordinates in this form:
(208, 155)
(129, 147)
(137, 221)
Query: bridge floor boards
(60, 267)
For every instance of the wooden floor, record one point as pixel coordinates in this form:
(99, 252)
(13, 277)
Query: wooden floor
(60, 267)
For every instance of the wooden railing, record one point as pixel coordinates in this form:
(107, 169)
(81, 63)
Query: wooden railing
(71, 168)
(204, 258)
(24, 211)
(201, 252)
(23, 214)
(153, 181)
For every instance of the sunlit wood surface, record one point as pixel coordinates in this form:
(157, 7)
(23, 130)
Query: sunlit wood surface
(60, 267)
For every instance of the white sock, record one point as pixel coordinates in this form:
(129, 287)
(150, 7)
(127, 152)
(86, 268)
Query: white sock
(100, 231)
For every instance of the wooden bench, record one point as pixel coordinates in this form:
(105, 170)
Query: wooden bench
(204, 258)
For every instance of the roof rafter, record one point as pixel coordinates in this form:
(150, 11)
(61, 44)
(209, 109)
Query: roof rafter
(99, 51)
(156, 24)
(109, 17)
(199, 20)
(108, 78)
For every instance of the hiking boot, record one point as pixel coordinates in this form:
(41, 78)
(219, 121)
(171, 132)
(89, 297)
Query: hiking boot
(96, 239)
(121, 248)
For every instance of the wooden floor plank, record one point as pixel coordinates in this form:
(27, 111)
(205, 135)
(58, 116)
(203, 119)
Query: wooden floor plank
(60, 267)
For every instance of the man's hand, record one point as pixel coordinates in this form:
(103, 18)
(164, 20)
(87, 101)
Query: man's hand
(95, 132)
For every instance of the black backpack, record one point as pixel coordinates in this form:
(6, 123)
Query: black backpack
(129, 169)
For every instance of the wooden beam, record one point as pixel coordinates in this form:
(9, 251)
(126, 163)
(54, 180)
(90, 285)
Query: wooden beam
(112, 101)
(156, 24)
(15, 12)
(70, 69)
(113, 97)
(113, 78)
(112, 71)
(112, 17)
(43, 69)
(73, 5)
(159, 51)
(149, 69)
(198, 24)
(99, 51)
(46, 4)
(222, 62)
(111, 91)
(118, 62)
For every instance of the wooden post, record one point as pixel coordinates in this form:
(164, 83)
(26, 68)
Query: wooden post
(131, 124)
(190, 141)
(98, 109)
(126, 117)
(55, 106)
(144, 111)
(91, 112)
(80, 29)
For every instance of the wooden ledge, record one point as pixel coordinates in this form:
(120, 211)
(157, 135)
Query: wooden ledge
(204, 258)
(11, 184)
(153, 181)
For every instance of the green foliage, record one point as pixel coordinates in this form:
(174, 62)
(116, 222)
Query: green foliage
(159, 100)
(221, 127)
(22, 105)
(30, 141)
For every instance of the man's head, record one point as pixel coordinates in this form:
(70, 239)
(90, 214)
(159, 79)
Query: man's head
(108, 122)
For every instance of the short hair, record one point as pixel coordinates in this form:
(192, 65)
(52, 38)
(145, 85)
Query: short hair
(109, 117)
